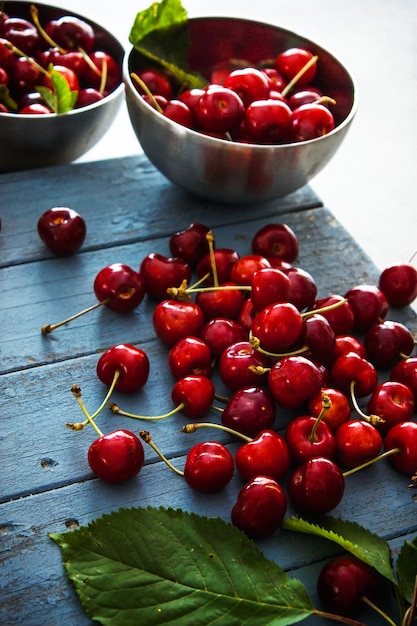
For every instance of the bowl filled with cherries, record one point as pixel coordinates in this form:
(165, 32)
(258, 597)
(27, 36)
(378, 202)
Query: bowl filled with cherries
(60, 85)
(235, 110)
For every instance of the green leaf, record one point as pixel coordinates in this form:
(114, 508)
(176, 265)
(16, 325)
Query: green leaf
(164, 566)
(160, 33)
(407, 569)
(351, 536)
(61, 99)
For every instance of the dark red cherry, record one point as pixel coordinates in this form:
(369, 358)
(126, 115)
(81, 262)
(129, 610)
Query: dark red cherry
(387, 342)
(236, 363)
(196, 393)
(357, 441)
(307, 438)
(220, 333)
(260, 507)
(316, 486)
(119, 287)
(266, 455)
(276, 240)
(116, 456)
(369, 306)
(293, 380)
(209, 467)
(406, 372)
(174, 319)
(160, 273)
(249, 411)
(399, 284)
(130, 362)
(404, 437)
(71, 32)
(190, 244)
(393, 402)
(62, 230)
(189, 356)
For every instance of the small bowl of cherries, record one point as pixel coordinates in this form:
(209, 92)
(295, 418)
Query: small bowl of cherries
(253, 113)
(60, 85)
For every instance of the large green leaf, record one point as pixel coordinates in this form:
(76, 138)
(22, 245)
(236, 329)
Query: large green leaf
(407, 569)
(160, 34)
(354, 538)
(164, 566)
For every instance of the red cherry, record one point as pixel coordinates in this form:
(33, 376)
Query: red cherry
(277, 326)
(339, 410)
(35, 109)
(245, 267)
(224, 259)
(71, 32)
(311, 121)
(303, 288)
(220, 333)
(160, 273)
(268, 121)
(357, 442)
(24, 76)
(87, 96)
(348, 343)
(119, 287)
(69, 75)
(277, 241)
(21, 33)
(174, 319)
(404, 437)
(195, 393)
(316, 486)
(235, 365)
(268, 286)
(406, 372)
(260, 507)
(190, 97)
(399, 284)
(387, 342)
(393, 402)
(219, 109)
(249, 411)
(306, 438)
(157, 80)
(247, 314)
(99, 59)
(116, 456)
(266, 455)
(276, 80)
(318, 336)
(249, 83)
(209, 467)
(369, 306)
(62, 230)
(351, 368)
(341, 317)
(179, 112)
(130, 362)
(6, 54)
(344, 582)
(190, 244)
(293, 380)
(290, 62)
(303, 95)
(221, 302)
(189, 356)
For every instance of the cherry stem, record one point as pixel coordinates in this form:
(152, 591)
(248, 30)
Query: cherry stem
(115, 409)
(256, 345)
(35, 17)
(338, 618)
(411, 611)
(103, 79)
(372, 419)
(210, 241)
(299, 74)
(192, 428)
(49, 328)
(81, 425)
(324, 309)
(146, 436)
(384, 455)
(325, 406)
(148, 92)
(76, 392)
(20, 53)
(378, 610)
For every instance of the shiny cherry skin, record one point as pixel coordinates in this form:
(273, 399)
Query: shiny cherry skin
(179, 112)
(35, 109)
(357, 441)
(268, 121)
(278, 326)
(343, 583)
(174, 319)
(221, 332)
(276, 240)
(339, 411)
(247, 314)
(190, 243)
(393, 402)
(348, 343)
(406, 372)
(73, 59)
(120, 287)
(245, 267)
(235, 365)
(292, 61)
(318, 336)
(190, 97)
(304, 443)
(224, 259)
(293, 380)
(266, 455)
(276, 80)
(157, 80)
(209, 467)
(249, 83)
(303, 95)
(268, 286)
(161, 272)
(62, 230)
(99, 58)
(310, 121)
(387, 342)
(316, 486)
(196, 393)
(22, 34)
(350, 367)
(369, 306)
(341, 317)
(131, 363)
(260, 507)
(6, 53)
(189, 356)
(87, 96)
(404, 437)
(303, 288)
(116, 456)
(249, 410)
(71, 32)
(24, 76)
(219, 109)
(222, 302)
(399, 284)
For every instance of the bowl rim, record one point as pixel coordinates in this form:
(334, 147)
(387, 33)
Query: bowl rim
(241, 145)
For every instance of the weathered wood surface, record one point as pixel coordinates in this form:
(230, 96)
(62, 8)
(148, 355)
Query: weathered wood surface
(46, 484)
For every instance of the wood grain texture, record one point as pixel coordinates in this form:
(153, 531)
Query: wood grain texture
(47, 485)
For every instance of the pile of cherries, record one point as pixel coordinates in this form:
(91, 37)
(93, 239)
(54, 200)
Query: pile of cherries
(257, 323)
(29, 49)
(273, 104)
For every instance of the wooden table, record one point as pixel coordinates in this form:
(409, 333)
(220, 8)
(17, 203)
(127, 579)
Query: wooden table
(47, 486)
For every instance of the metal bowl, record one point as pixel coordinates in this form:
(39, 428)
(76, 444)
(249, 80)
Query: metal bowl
(232, 172)
(31, 141)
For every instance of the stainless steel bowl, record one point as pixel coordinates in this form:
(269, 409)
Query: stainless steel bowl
(31, 141)
(229, 172)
